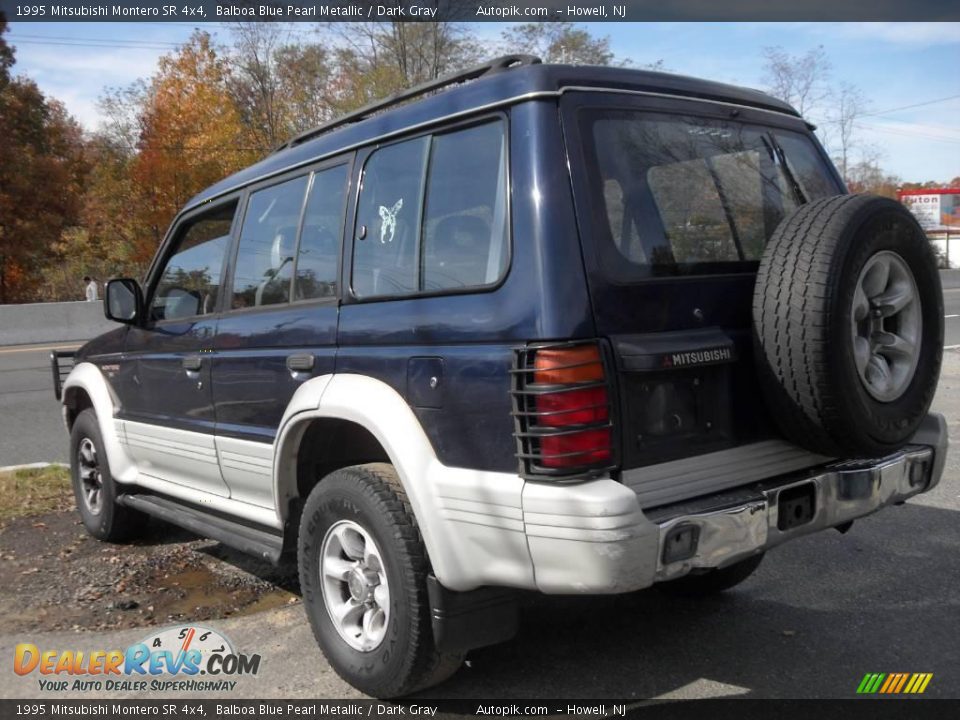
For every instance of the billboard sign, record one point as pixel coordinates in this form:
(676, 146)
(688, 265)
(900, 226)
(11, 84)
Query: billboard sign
(926, 208)
(936, 209)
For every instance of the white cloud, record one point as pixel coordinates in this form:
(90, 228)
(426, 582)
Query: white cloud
(78, 76)
(910, 33)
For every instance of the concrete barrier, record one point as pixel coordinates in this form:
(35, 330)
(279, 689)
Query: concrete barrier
(950, 279)
(52, 322)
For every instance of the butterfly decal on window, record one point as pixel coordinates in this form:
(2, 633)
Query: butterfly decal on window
(388, 217)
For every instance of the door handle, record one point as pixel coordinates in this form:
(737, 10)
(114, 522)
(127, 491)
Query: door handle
(192, 363)
(300, 362)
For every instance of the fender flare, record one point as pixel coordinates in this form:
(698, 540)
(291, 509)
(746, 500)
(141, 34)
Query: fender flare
(89, 378)
(381, 410)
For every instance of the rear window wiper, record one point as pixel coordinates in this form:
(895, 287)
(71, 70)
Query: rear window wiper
(781, 159)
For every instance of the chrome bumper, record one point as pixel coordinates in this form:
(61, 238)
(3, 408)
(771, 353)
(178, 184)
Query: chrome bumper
(594, 537)
(841, 492)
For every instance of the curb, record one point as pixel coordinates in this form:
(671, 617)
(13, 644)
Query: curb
(31, 466)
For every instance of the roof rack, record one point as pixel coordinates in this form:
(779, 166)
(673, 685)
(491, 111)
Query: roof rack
(499, 64)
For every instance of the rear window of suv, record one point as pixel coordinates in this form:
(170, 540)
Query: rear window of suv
(687, 195)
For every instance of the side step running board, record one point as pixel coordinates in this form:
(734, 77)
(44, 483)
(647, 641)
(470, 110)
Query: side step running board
(259, 543)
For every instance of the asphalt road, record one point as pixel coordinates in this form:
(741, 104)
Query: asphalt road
(819, 613)
(31, 428)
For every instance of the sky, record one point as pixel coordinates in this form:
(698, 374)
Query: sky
(895, 65)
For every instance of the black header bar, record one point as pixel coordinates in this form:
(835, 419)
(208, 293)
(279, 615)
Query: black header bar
(202, 11)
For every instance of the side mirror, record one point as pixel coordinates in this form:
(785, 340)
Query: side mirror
(123, 301)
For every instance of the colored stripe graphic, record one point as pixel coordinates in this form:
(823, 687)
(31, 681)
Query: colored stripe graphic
(903, 679)
(894, 683)
(891, 681)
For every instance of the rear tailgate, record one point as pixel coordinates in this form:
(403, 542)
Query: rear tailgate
(676, 201)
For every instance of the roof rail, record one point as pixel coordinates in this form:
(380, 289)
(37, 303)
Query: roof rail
(489, 68)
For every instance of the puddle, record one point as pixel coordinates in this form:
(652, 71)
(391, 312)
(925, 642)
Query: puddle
(201, 594)
(169, 575)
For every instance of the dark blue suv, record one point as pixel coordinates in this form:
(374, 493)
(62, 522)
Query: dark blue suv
(548, 328)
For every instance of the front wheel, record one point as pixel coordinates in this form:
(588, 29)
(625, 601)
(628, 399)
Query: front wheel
(363, 571)
(93, 485)
(713, 581)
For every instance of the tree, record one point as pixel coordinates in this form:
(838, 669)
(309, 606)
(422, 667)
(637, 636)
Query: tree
(801, 80)
(42, 168)
(279, 88)
(560, 42)
(305, 73)
(6, 53)
(373, 60)
(850, 105)
(191, 136)
(866, 176)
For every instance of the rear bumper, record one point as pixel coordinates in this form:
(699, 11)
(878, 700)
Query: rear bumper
(594, 538)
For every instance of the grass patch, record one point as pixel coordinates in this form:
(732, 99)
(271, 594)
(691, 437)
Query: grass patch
(35, 491)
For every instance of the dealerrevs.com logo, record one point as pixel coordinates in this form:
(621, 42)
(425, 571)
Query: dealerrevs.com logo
(181, 658)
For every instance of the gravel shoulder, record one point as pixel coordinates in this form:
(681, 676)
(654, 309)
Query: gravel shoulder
(53, 576)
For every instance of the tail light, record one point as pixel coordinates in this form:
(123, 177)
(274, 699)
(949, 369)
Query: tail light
(563, 410)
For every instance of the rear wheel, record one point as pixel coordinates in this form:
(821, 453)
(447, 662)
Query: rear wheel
(363, 571)
(712, 582)
(93, 485)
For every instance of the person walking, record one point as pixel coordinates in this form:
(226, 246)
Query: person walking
(91, 288)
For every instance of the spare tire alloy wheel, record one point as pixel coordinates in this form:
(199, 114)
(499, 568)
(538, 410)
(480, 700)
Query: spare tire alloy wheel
(886, 325)
(356, 590)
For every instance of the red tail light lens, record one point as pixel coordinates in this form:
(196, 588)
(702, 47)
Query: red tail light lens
(564, 410)
(582, 448)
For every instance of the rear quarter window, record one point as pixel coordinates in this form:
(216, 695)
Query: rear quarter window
(432, 215)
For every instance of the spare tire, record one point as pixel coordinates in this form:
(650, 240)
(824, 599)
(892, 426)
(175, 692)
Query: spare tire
(848, 325)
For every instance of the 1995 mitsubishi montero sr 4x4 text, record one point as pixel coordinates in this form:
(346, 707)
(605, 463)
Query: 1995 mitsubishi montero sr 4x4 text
(548, 328)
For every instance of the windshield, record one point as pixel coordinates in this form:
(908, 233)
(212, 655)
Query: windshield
(687, 195)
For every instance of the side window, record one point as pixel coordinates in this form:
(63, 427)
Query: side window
(460, 180)
(465, 216)
(268, 242)
(190, 281)
(317, 258)
(388, 225)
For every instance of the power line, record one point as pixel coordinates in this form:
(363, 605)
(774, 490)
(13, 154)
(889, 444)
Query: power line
(909, 107)
(70, 38)
(953, 140)
(105, 44)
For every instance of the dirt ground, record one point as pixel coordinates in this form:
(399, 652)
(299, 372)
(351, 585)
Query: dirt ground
(53, 576)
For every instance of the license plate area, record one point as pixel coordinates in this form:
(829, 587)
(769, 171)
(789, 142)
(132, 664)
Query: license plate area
(796, 506)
